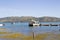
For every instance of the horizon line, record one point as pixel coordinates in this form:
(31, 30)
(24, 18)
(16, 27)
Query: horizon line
(30, 16)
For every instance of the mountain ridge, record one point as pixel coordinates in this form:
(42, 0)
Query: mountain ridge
(29, 18)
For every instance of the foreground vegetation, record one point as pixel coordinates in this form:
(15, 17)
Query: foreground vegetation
(45, 36)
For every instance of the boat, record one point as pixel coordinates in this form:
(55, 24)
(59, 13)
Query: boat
(34, 23)
(13, 23)
(2, 24)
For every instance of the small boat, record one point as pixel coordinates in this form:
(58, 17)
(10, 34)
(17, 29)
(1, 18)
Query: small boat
(13, 23)
(45, 24)
(34, 23)
(53, 24)
(2, 24)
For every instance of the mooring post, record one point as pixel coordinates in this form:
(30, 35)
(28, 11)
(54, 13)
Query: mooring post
(32, 32)
(33, 35)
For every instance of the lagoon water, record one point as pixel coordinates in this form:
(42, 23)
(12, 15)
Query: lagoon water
(25, 29)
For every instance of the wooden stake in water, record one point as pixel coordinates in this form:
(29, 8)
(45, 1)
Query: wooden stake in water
(32, 32)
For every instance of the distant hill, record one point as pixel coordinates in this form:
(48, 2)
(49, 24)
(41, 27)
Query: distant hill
(17, 19)
(49, 19)
(29, 18)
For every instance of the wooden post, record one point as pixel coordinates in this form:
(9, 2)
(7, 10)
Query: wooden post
(32, 32)
(33, 35)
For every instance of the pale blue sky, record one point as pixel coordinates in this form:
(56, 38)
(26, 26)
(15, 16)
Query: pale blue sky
(35, 8)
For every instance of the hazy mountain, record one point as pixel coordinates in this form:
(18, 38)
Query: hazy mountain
(49, 19)
(29, 18)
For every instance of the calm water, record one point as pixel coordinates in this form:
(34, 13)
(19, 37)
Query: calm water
(25, 29)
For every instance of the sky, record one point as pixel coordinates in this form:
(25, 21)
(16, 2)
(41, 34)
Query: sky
(36, 8)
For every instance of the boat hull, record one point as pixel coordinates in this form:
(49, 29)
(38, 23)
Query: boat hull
(34, 24)
(1, 24)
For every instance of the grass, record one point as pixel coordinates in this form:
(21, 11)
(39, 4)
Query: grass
(24, 37)
(18, 36)
(4, 32)
(40, 36)
(58, 36)
(12, 36)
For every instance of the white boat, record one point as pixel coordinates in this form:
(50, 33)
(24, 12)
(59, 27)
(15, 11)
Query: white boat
(34, 23)
(1, 24)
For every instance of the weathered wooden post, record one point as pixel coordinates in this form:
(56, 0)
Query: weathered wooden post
(32, 32)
